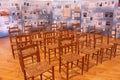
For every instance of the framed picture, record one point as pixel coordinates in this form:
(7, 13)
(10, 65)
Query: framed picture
(67, 10)
(109, 14)
(119, 3)
(99, 15)
(108, 23)
(118, 25)
(85, 14)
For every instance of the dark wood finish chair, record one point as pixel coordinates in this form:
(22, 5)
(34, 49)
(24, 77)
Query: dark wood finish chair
(34, 68)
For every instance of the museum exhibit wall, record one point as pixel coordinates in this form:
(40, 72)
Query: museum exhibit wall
(103, 14)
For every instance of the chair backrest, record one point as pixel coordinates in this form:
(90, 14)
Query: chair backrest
(111, 35)
(76, 27)
(41, 26)
(23, 40)
(64, 25)
(54, 26)
(65, 33)
(65, 44)
(98, 36)
(83, 40)
(49, 37)
(12, 32)
(30, 50)
(27, 28)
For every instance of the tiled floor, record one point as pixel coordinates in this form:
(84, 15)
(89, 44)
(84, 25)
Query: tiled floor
(10, 69)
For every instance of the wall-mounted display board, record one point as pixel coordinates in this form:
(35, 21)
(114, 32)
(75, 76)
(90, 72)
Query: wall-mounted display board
(4, 17)
(103, 14)
(36, 12)
(99, 13)
(66, 11)
(116, 18)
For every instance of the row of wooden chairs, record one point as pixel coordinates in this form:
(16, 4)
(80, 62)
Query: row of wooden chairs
(74, 48)
(29, 57)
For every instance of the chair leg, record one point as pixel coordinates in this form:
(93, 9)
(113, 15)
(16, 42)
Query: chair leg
(87, 62)
(102, 52)
(32, 78)
(67, 73)
(82, 65)
(53, 75)
(45, 52)
(40, 76)
(60, 64)
(49, 55)
(13, 51)
(97, 57)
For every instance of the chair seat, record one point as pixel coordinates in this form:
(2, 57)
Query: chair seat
(13, 43)
(37, 39)
(71, 57)
(37, 68)
(105, 45)
(89, 50)
(28, 52)
(52, 46)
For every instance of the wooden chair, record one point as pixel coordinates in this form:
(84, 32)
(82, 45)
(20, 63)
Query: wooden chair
(85, 47)
(41, 26)
(76, 27)
(50, 44)
(23, 40)
(34, 68)
(13, 31)
(106, 49)
(97, 36)
(36, 36)
(63, 25)
(67, 57)
(54, 26)
(112, 39)
(27, 28)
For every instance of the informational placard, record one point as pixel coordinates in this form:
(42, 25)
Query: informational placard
(67, 11)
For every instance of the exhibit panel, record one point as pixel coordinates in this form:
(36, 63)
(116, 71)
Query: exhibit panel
(103, 14)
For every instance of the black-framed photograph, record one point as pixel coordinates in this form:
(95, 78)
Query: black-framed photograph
(108, 23)
(84, 14)
(117, 25)
(119, 3)
(109, 14)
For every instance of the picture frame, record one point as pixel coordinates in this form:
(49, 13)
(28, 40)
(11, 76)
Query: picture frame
(108, 23)
(109, 14)
(99, 15)
(118, 25)
(67, 10)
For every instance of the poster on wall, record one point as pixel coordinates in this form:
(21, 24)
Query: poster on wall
(118, 25)
(119, 3)
(66, 11)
